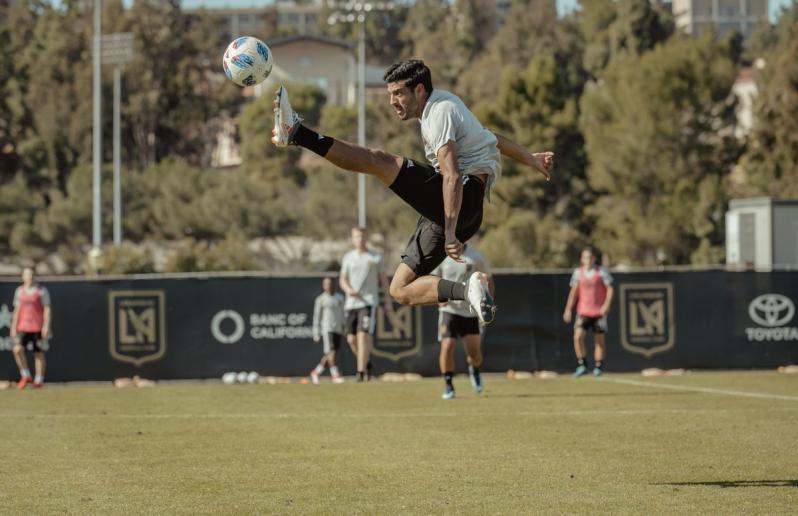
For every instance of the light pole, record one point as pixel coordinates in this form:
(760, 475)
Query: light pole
(351, 12)
(117, 50)
(96, 240)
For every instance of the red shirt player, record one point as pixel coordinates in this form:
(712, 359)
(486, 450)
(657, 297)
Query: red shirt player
(591, 285)
(30, 327)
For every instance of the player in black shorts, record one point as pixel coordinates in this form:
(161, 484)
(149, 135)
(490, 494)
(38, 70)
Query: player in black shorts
(448, 193)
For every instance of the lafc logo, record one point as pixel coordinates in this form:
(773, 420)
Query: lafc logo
(398, 332)
(647, 320)
(137, 325)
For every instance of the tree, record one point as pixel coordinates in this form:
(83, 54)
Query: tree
(659, 133)
(771, 160)
(611, 28)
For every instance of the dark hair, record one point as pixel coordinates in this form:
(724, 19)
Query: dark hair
(412, 71)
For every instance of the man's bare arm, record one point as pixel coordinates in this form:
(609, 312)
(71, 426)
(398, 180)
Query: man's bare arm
(46, 323)
(345, 286)
(452, 196)
(542, 161)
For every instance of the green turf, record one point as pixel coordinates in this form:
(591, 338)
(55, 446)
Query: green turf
(527, 446)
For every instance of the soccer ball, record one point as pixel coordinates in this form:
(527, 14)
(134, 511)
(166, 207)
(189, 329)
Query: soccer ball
(247, 61)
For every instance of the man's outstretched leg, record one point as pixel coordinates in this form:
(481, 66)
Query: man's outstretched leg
(288, 129)
(408, 288)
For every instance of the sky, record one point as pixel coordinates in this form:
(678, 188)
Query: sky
(563, 6)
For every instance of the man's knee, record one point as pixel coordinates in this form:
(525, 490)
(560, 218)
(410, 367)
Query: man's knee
(17, 349)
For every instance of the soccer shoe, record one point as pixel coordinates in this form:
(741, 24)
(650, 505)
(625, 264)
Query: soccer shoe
(448, 393)
(286, 121)
(580, 371)
(338, 379)
(597, 372)
(478, 296)
(314, 377)
(23, 382)
(476, 380)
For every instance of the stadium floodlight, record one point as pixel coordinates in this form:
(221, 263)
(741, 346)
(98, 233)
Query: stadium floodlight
(350, 12)
(97, 129)
(117, 50)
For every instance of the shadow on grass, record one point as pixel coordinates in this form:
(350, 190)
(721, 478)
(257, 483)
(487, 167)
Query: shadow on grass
(737, 483)
(592, 394)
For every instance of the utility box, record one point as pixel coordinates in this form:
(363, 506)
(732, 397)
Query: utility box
(762, 233)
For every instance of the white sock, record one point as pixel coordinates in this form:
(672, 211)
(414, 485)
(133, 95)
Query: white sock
(25, 373)
(319, 369)
(39, 379)
(334, 371)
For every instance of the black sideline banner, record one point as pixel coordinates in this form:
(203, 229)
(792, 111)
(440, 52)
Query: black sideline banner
(204, 327)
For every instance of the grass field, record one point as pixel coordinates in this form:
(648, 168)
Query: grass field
(703, 443)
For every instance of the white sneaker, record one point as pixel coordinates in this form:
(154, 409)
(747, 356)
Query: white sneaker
(338, 379)
(314, 377)
(478, 296)
(286, 121)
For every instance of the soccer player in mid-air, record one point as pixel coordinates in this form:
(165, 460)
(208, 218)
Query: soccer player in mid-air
(464, 162)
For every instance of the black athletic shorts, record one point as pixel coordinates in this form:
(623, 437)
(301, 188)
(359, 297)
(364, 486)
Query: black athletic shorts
(331, 341)
(597, 324)
(420, 186)
(451, 325)
(361, 320)
(32, 341)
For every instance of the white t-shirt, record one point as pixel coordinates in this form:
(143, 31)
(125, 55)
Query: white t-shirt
(328, 314)
(363, 273)
(446, 118)
(460, 271)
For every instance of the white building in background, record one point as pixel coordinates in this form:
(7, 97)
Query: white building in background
(699, 16)
(328, 63)
(762, 233)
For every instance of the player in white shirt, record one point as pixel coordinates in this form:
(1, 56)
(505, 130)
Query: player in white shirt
(328, 327)
(464, 163)
(361, 276)
(456, 319)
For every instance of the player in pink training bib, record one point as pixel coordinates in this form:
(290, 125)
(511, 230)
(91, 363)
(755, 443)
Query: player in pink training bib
(30, 327)
(591, 290)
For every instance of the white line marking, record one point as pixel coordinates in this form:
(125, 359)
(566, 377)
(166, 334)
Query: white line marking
(466, 413)
(707, 390)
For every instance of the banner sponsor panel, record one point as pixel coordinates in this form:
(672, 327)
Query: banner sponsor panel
(203, 327)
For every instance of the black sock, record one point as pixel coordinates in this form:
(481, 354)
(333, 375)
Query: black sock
(447, 377)
(599, 364)
(450, 291)
(312, 140)
(369, 367)
(580, 362)
(360, 376)
(473, 370)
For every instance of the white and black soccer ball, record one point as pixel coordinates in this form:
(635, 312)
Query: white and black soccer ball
(247, 61)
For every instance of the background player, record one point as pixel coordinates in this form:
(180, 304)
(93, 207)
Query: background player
(455, 319)
(361, 277)
(328, 326)
(592, 286)
(30, 327)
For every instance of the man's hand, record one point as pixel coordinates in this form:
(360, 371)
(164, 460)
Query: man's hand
(605, 310)
(545, 162)
(45, 332)
(316, 338)
(454, 248)
(567, 316)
